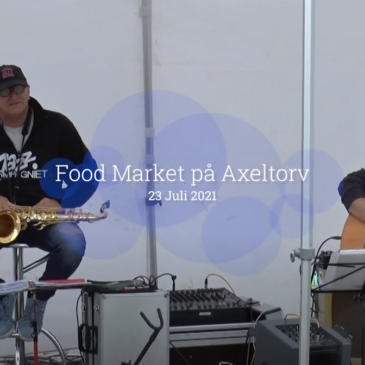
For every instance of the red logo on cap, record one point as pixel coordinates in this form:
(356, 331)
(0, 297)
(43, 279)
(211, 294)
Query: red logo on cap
(7, 72)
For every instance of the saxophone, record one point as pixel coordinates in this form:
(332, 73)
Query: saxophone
(17, 218)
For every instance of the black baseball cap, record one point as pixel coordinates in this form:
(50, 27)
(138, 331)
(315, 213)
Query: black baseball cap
(11, 75)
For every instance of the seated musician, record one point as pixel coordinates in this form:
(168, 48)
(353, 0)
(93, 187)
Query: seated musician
(39, 136)
(352, 192)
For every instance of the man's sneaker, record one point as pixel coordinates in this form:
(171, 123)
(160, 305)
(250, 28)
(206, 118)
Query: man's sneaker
(26, 325)
(6, 312)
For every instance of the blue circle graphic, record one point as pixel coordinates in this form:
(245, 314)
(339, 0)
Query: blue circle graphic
(250, 173)
(325, 176)
(118, 140)
(85, 182)
(290, 220)
(120, 193)
(56, 179)
(256, 261)
(112, 237)
(340, 187)
(121, 130)
(73, 184)
(190, 158)
(235, 227)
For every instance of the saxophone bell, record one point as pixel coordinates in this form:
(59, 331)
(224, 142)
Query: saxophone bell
(10, 226)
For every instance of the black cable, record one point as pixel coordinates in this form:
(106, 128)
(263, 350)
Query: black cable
(78, 321)
(314, 304)
(25, 131)
(317, 254)
(17, 178)
(180, 354)
(144, 279)
(339, 278)
(173, 278)
(248, 348)
(13, 192)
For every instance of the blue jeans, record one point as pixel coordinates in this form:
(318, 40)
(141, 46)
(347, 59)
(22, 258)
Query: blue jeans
(66, 244)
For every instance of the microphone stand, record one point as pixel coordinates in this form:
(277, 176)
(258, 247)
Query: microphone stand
(306, 252)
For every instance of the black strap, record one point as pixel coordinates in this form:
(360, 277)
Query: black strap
(13, 190)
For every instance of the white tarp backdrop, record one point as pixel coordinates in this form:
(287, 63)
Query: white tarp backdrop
(238, 64)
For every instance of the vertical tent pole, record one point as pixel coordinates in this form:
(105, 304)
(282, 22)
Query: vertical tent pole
(306, 253)
(146, 14)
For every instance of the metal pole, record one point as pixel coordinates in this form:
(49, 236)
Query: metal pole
(306, 253)
(19, 308)
(146, 14)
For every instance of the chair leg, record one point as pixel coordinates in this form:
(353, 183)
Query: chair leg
(19, 306)
(56, 344)
(19, 271)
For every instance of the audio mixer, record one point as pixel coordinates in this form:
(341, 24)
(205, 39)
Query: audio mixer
(207, 306)
(277, 342)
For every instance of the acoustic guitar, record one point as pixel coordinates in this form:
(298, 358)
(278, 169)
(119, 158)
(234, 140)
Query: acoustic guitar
(353, 234)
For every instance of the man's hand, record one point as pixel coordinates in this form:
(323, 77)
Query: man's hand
(47, 203)
(4, 203)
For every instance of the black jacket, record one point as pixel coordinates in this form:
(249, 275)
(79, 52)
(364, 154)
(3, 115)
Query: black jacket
(53, 136)
(352, 187)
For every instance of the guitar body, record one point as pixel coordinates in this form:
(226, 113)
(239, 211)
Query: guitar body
(353, 234)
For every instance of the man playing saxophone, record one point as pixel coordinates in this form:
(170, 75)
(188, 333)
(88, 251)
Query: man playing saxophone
(31, 136)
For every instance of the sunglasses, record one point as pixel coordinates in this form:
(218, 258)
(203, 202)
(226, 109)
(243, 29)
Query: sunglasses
(19, 89)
